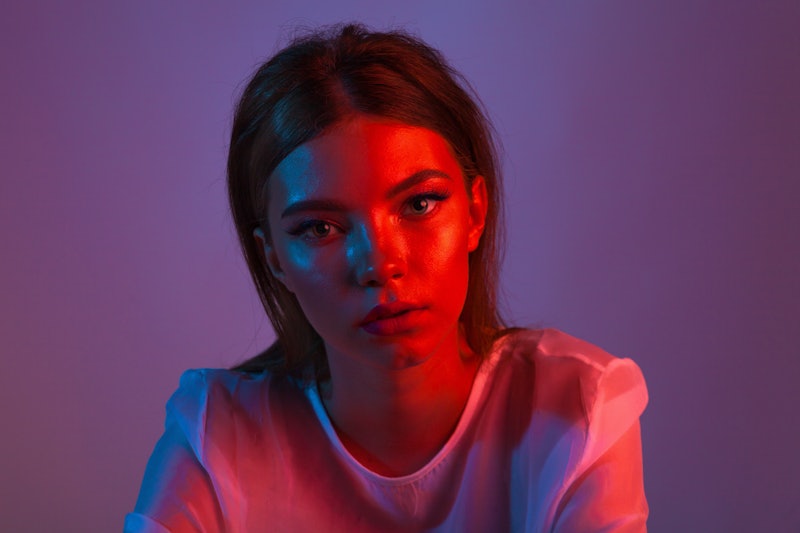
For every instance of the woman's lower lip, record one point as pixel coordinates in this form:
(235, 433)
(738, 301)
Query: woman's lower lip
(395, 325)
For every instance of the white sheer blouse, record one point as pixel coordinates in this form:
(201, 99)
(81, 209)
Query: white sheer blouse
(549, 441)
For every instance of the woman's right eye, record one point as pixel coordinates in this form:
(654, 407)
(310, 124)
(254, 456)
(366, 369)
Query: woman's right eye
(320, 229)
(314, 230)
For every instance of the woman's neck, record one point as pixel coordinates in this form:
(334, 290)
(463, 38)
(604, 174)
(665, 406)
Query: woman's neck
(395, 421)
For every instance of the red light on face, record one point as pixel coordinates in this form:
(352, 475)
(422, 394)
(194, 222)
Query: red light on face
(372, 226)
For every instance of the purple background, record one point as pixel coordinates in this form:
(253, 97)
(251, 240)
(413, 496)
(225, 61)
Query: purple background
(652, 155)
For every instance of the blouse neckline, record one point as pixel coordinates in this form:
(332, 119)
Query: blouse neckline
(467, 415)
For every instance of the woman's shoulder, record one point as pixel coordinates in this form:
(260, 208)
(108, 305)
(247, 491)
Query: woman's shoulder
(200, 380)
(575, 409)
(215, 401)
(208, 386)
(572, 376)
(198, 386)
(550, 343)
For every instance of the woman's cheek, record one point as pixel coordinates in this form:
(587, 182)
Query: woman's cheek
(447, 243)
(306, 259)
(300, 268)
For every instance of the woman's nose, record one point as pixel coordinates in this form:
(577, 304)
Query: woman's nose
(378, 256)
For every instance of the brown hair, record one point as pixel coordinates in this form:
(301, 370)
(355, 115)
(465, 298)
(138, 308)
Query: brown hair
(317, 81)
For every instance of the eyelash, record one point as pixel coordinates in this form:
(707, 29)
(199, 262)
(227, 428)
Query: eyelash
(435, 196)
(303, 229)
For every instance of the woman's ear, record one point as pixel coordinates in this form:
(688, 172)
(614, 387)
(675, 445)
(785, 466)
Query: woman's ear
(479, 204)
(269, 257)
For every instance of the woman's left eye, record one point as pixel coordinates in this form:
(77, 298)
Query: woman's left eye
(423, 204)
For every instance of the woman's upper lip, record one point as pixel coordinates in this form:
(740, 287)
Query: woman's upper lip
(382, 311)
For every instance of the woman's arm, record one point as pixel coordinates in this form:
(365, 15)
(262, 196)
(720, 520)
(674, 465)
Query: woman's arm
(609, 495)
(176, 492)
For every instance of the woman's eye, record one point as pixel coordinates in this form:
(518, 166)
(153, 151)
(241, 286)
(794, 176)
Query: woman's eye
(424, 204)
(420, 205)
(319, 229)
(314, 230)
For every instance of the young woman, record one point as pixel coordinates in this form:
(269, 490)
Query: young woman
(364, 188)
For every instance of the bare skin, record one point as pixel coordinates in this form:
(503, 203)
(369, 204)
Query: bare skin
(395, 423)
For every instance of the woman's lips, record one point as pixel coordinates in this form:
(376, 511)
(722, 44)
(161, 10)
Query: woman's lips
(391, 319)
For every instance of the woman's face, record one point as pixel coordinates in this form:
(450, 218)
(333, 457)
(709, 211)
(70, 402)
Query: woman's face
(371, 226)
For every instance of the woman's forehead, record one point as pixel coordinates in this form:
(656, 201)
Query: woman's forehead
(361, 152)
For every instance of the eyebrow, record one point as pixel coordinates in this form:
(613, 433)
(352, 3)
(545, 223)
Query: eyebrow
(415, 179)
(313, 205)
(332, 205)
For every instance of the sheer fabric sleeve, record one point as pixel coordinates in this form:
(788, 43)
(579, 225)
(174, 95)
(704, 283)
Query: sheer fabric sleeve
(177, 493)
(606, 490)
